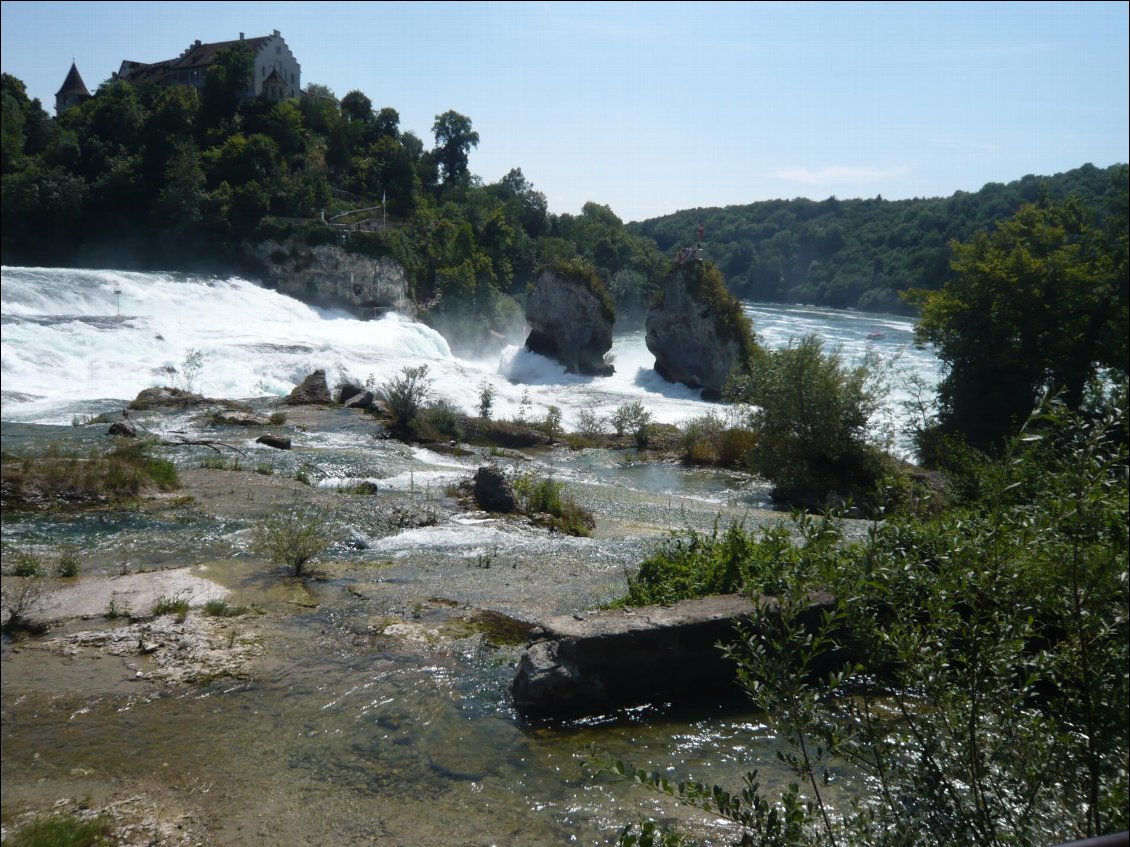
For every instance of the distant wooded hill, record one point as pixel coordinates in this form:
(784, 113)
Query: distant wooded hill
(858, 253)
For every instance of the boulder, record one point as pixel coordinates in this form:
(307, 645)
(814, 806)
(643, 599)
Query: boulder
(492, 491)
(354, 396)
(121, 429)
(570, 314)
(588, 664)
(279, 442)
(697, 330)
(165, 397)
(312, 392)
(236, 417)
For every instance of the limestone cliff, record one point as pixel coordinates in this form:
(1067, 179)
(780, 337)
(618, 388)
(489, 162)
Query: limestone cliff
(570, 314)
(697, 330)
(327, 275)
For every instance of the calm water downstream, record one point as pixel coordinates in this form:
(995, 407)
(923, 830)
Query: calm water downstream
(345, 733)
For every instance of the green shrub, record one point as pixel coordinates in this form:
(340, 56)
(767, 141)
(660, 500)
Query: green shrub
(68, 565)
(812, 417)
(55, 476)
(177, 606)
(63, 830)
(277, 418)
(545, 501)
(221, 608)
(440, 421)
(969, 679)
(292, 538)
(632, 418)
(25, 563)
(404, 396)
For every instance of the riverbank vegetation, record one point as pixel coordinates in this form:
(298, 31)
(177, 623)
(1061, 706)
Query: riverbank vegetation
(54, 477)
(979, 692)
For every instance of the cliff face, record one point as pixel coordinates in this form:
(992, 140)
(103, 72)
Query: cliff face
(697, 331)
(328, 276)
(569, 322)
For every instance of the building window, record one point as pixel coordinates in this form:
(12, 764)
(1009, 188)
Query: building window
(278, 49)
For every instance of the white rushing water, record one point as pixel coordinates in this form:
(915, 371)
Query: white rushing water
(83, 341)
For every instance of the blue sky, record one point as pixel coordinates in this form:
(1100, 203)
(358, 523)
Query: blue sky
(655, 107)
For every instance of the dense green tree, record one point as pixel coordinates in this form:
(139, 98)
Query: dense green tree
(454, 140)
(355, 106)
(226, 84)
(1037, 306)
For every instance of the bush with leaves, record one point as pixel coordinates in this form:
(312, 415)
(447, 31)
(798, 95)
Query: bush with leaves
(292, 537)
(545, 500)
(813, 417)
(988, 700)
(404, 396)
(632, 418)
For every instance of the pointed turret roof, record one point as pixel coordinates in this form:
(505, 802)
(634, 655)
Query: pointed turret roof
(73, 84)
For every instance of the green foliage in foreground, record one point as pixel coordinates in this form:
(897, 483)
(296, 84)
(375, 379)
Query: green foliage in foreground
(983, 697)
(63, 830)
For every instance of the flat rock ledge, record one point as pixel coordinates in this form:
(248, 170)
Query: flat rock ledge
(593, 663)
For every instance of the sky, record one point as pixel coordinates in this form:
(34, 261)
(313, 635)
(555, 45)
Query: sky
(650, 108)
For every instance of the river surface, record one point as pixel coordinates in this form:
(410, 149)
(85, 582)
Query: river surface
(346, 735)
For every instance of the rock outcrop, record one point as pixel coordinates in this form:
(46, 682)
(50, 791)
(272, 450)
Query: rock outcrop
(164, 397)
(327, 275)
(570, 314)
(492, 491)
(588, 664)
(697, 330)
(312, 392)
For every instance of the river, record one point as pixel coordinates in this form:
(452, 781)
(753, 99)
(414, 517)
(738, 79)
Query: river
(343, 736)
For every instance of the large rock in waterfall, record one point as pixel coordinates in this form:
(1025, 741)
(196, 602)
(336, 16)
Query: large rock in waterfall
(570, 314)
(313, 391)
(328, 275)
(697, 330)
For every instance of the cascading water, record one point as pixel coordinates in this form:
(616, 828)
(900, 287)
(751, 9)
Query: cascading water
(75, 339)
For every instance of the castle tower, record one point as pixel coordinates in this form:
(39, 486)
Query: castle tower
(73, 92)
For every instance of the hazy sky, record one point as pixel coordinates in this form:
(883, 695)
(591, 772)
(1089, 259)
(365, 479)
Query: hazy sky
(655, 107)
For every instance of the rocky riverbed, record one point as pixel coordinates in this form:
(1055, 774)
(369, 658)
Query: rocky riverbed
(364, 702)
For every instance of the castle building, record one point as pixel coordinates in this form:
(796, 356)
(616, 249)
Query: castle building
(73, 92)
(276, 73)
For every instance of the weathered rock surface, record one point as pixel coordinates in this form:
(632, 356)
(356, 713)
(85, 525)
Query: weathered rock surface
(328, 275)
(691, 330)
(164, 397)
(279, 442)
(588, 664)
(569, 322)
(312, 392)
(355, 396)
(236, 417)
(121, 429)
(492, 490)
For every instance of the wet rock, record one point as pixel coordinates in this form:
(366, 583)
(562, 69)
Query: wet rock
(355, 397)
(121, 429)
(279, 442)
(492, 491)
(697, 330)
(232, 417)
(165, 397)
(570, 314)
(312, 392)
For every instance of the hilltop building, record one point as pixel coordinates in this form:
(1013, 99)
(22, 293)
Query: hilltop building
(73, 92)
(276, 73)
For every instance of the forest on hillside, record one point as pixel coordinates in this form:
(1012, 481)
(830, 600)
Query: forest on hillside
(862, 253)
(174, 178)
